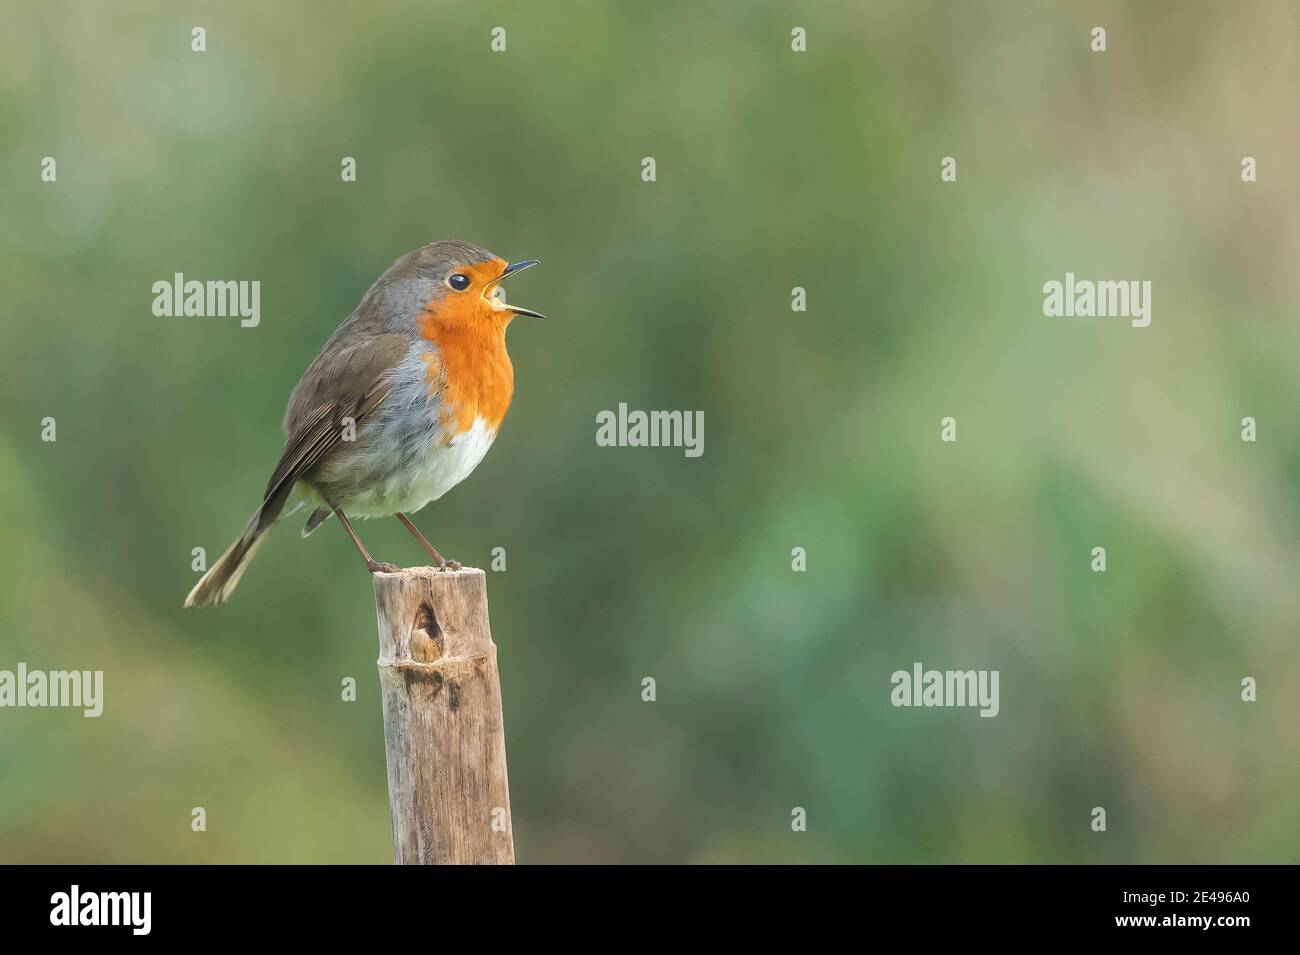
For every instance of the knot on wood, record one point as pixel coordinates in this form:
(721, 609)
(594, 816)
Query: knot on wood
(426, 635)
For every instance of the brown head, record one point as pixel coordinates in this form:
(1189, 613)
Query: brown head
(455, 285)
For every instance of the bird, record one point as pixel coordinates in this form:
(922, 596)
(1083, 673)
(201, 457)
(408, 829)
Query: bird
(400, 406)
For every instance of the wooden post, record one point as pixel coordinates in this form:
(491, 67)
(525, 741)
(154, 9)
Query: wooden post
(443, 731)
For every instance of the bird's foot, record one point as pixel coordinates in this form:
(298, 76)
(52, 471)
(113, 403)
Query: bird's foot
(445, 564)
(378, 567)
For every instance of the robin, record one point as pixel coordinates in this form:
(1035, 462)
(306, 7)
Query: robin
(397, 409)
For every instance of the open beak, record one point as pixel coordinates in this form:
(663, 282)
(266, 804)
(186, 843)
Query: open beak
(510, 270)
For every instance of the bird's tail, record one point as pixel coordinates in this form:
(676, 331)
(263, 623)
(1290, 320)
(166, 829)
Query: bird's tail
(216, 586)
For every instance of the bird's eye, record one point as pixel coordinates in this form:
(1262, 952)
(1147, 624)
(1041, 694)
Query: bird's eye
(458, 281)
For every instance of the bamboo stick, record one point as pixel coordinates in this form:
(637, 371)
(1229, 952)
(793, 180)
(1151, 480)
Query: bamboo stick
(443, 731)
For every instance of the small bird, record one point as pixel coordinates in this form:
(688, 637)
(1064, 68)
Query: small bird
(398, 408)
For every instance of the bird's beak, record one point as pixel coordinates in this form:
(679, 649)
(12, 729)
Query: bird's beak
(511, 269)
(514, 267)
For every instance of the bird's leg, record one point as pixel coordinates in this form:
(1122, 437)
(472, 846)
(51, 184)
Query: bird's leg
(442, 562)
(372, 565)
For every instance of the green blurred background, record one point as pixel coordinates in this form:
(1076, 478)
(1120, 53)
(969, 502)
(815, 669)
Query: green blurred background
(775, 169)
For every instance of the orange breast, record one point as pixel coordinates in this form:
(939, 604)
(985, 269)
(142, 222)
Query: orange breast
(470, 368)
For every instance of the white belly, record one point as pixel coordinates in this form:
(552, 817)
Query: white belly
(446, 466)
(426, 477)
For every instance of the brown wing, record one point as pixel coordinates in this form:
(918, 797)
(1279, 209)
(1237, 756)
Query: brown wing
(349, 379)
